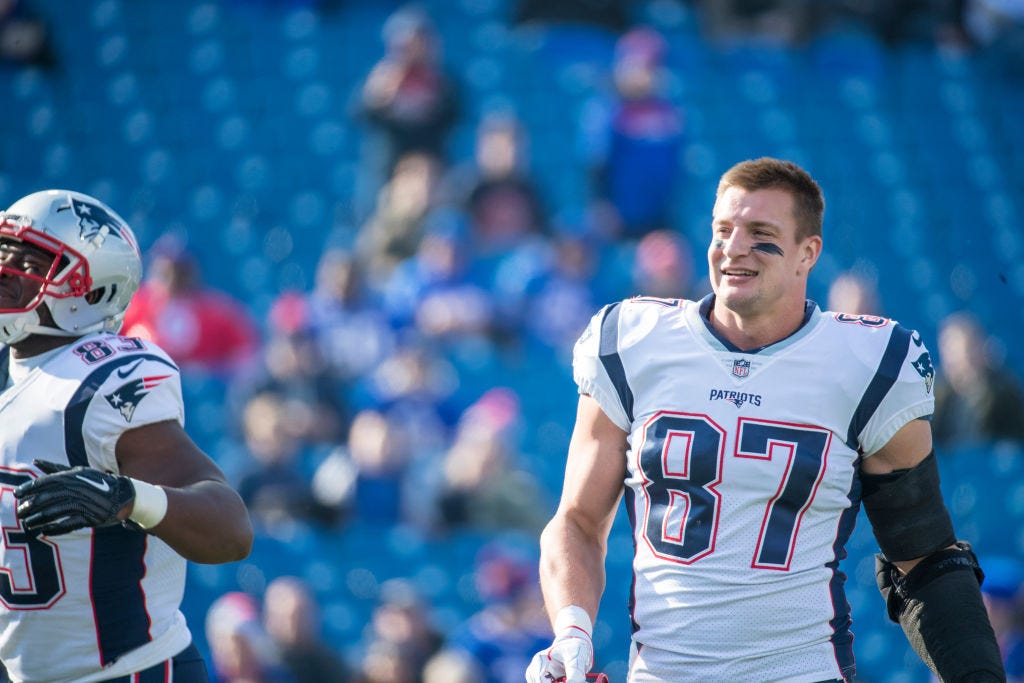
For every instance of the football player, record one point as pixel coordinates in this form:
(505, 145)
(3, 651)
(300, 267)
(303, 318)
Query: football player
(745, 431)
(103, 495)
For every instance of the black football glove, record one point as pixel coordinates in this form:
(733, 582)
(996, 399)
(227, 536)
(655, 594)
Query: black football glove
(66, 498)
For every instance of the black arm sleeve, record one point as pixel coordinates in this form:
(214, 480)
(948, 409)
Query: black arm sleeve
(938, 604)
(906, 511)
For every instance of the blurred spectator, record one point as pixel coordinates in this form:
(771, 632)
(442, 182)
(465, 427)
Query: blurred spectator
(496, 191)
(415, 387)
(977, 398)
(484, 485)
(1002, 594)
(504, 216)
(367, 479)
(854, 293)
(452, 666)
(552, 306)
(789, 22)
(996, 27)
(292, 620)
(408, 96)
(385, 662)
(241, 650)
(400, 636)
(512, 626)
(663, 266)
(434, 294)
(293, 368)
(349, 327)
(783, 22)
(394, 231)
(24, 36)
(201, 328)
(610, 14)
(273, 484)
(633, 140)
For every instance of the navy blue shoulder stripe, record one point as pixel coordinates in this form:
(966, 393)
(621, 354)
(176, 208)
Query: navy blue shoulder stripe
(5, 360)
(885, 376)
(115, 583)
(609, 354)
(74, 412)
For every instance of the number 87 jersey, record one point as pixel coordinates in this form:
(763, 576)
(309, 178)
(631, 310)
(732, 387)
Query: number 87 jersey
(741, 476)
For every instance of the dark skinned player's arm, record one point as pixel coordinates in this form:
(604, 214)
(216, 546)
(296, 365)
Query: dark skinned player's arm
(206, 520)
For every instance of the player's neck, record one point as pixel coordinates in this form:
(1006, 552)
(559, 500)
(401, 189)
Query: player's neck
(36, 344)
(755, 332)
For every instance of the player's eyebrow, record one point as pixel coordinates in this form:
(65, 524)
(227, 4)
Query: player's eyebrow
(762, 224)
(722, 222)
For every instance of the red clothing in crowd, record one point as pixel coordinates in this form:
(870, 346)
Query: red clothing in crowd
(203, 327)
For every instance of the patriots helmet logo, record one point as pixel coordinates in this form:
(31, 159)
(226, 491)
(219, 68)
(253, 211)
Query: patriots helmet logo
(923, 365)
(125, 399)
(95, 223)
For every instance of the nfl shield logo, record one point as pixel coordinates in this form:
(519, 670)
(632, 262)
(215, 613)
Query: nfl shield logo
(741, 367)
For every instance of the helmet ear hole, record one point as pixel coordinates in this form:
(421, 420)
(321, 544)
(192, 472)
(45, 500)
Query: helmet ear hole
(95, 296)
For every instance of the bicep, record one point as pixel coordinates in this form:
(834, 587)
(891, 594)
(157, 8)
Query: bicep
(595, 468)
(163, 453)
(906, 449)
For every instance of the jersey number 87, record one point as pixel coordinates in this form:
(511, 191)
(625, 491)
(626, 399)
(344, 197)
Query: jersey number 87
(680, 483)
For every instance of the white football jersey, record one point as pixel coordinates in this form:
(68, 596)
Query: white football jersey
(741, 477)
(95, 603)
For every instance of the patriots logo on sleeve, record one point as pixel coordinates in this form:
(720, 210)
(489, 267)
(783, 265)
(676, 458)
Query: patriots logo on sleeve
(125, 399)
(923, 365)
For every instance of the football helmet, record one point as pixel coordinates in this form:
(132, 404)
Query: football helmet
(95, 272)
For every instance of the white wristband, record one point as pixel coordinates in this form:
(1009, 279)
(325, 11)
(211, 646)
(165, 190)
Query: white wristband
(573, 616)
(150, 504)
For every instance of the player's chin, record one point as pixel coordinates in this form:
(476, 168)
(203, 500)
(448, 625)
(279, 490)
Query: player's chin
(738, 299)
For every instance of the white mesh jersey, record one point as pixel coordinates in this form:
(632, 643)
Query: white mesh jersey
(741, 482)
(95, 603)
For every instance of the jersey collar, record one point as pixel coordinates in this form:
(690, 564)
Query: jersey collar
(19, 368)
(708, 302)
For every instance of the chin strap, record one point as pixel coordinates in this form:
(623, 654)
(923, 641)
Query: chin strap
(14, 327)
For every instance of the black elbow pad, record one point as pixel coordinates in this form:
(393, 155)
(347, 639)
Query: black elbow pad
(938, 604)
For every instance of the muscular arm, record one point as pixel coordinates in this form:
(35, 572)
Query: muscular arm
(574, 543)
(206, 520)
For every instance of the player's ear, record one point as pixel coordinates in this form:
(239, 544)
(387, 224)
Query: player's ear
(810, 250)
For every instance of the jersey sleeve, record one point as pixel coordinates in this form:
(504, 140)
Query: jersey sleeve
(910, 395)
(133, 395)
(589, 369)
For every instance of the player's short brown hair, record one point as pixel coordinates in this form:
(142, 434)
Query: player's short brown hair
(768, 173)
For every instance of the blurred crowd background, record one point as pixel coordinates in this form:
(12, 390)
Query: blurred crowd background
(373, 231)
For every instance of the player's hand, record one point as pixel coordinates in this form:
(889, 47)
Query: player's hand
(66, 498)
(570, 656)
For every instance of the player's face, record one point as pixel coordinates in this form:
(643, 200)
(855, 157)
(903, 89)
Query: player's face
(22, 270)
(757, 266)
